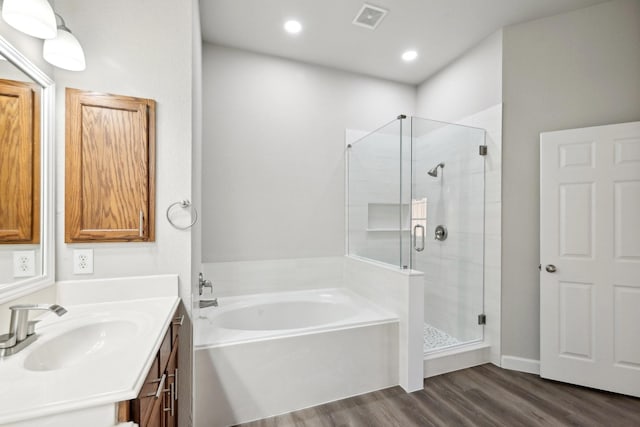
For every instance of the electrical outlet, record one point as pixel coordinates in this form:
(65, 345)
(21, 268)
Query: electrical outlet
(24, 263)
(83, 261)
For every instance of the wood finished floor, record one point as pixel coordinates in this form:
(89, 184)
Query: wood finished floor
(481, 396)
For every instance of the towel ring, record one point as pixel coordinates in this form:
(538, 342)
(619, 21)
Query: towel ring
(183, 204)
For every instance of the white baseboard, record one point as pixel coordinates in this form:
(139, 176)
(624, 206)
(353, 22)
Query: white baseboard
(455, 359)
(521, 364)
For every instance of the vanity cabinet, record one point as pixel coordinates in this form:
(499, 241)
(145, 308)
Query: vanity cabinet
(157, 402)
(109, 168)
(19, 162)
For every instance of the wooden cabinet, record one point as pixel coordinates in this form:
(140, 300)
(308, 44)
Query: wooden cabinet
(19, 162)
(109, 168)
(157, 402)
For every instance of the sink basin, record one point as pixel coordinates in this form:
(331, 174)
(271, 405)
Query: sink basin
(81, 344)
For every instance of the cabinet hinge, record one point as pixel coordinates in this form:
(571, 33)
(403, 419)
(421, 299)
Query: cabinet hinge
(482, 150)
(482, 319)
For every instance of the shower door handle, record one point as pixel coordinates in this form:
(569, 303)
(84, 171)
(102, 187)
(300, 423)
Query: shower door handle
(415, 238)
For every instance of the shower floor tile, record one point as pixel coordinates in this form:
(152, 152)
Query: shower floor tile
(435, 338)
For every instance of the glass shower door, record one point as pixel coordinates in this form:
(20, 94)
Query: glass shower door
(447, 229)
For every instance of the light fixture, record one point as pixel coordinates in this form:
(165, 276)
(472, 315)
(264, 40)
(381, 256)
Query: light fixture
(409, 55)
(32, 17)
(292, 26)
(64, 51)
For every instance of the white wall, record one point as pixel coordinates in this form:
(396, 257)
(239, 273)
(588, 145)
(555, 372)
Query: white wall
(471, 83)
(572, 70)
(29, 46)
(126, 59)
(273, 155)
(144, 49)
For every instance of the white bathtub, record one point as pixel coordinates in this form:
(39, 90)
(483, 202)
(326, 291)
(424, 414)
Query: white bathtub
(266, 354)
(263, 316)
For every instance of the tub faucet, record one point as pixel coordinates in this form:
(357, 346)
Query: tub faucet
(202, 283)
(21, 329)
(204, 303)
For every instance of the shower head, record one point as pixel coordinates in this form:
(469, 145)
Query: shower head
(434, 172)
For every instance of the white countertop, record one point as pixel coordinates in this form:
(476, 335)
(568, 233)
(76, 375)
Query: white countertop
(102, 376)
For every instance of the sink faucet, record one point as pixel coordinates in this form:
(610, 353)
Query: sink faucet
(21, 330)
(202, 283)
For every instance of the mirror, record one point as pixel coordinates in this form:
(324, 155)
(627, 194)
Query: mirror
(26, 175)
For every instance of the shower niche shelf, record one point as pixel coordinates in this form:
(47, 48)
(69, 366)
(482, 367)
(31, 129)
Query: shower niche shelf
(383, 217)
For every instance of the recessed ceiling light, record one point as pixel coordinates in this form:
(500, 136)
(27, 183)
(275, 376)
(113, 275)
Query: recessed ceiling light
(292, 26)
(409, 55)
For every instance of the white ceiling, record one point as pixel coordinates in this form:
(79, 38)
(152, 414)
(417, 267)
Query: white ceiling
(440, 30)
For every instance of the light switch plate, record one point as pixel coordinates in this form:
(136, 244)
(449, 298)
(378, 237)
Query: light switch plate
(83, 261)
(24, 263)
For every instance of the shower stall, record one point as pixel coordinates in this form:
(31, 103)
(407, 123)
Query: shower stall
(415, 200)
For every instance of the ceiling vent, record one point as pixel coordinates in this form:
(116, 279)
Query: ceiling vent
(369, 16)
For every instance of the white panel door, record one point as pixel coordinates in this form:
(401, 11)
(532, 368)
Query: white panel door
(590, 256)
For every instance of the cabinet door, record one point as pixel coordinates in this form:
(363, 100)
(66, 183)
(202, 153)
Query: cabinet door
(171, 395)
(141, 407)
(156, 419)
(19, 162)
(109, 168)
(157, 402)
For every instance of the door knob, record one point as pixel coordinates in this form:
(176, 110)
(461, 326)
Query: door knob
(550, 268)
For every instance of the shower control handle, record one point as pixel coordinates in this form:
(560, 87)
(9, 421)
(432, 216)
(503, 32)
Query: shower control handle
(415, 237)
(441, 233)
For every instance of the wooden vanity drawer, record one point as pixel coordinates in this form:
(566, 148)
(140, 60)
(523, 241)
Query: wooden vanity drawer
(142, 405)
(165, 350)
(176, 325)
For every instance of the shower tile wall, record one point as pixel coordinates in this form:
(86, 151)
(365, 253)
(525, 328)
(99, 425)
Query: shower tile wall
(453, 268)
(293, 274)
(373, 196)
